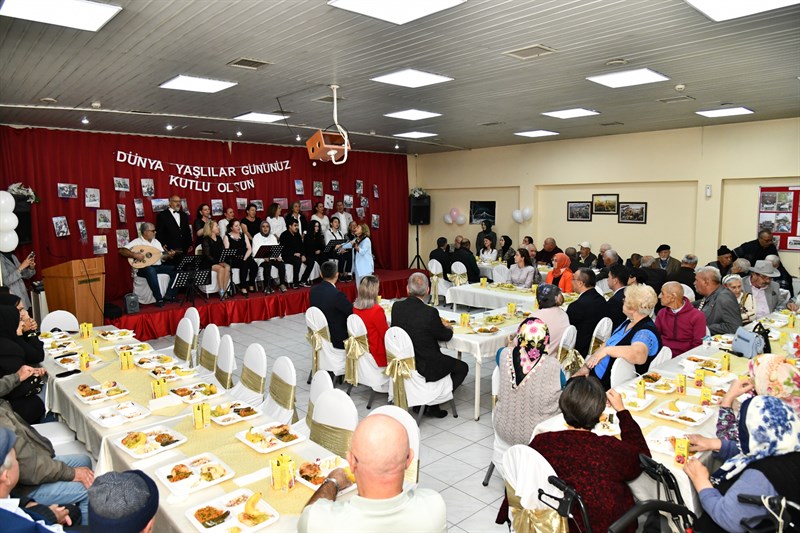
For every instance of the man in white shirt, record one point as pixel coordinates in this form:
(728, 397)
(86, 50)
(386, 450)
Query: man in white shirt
(379, 455)
(766, 293)
(150, 273)
(344, 217)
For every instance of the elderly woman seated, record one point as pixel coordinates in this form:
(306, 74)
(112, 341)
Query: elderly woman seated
(550, 300)
(746, 306)
(636, 340)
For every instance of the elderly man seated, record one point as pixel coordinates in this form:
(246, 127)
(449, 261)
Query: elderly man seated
(609, 258)
(724, 261)
(765, 292)
(150, 273)
(682, 327)
(685, 273)
(665, 261)
(379, 455)
(717, 303)
(586, 257)
(784, 281)
(549, 249)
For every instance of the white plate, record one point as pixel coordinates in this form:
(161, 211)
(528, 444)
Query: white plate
(232, 520)
(119, 414)
(56, 348)
(74, 361)
(171, 374)
(697, 413)
(116, 334)
(633, 403)
(271, 443)
(102, 396)
(326, 465)
(194, 482)
(719, 379)
(665, 385)
(232, 417)
(152, 360)
(476, 330)
(609, 429)
(151, 447)
(693, 362)
(50, 336)
(196, 396)
(136, 347)
(658, 439)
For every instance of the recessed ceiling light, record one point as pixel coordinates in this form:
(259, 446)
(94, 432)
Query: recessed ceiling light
(536, 133)
(298, 139)
(78, 14)
(627, 78)
(413, 114)
(719, 10)
(84, 121)
(571, 113)
(725, 112)
(169, 127)
(415, 135)
(48, 100)
(238, 133)
(198, 85)
(259, 117)
(395, 11)
(411, 78)
(396, 146)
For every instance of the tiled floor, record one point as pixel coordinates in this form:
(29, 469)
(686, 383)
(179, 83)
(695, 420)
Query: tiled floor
(454, 452)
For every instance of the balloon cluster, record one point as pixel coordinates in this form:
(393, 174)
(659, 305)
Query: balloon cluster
(8, 223)
(455, 216)
(520, 215)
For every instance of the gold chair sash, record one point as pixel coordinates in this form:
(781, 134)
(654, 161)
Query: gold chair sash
(411, 475)
(458, 279)
(208, 360)
(283, 394)
(494, 401)
(310, 414)
(354, 348)
(315, 338)
(435, 288)
(571, 361)
(182, 349)
(533, 520)
(336, 440)
(253, 381)
(399, 370)
(195, 341)
(225, 378)
(596, 343)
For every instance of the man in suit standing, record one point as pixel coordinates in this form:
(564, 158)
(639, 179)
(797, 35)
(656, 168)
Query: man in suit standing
(332, 302)
(423, 325)
(585, 312)
(617, 281)
(442, 255)
(173, 229)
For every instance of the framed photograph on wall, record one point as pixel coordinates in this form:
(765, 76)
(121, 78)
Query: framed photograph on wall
(632, 213)
(579, 211)
(605, 204)
(480, 211)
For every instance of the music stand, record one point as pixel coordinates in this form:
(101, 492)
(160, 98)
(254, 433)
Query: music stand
(269, 251)
(333, 244)
(225, 257)
(191, 279)
(189, 263)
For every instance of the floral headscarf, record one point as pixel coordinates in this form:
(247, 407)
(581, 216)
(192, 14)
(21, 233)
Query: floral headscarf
(773, 376)
(529, 346)
(767, 428)
(560, 263)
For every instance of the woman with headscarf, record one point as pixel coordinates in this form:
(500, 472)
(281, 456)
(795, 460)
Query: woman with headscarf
(561, 275)
(550, 300)
(767, 465)
(486, 231)
(505, 251)
(747, 306)
(15, 353)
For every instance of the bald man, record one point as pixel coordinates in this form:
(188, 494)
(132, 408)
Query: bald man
(682, 326)
(379, 455)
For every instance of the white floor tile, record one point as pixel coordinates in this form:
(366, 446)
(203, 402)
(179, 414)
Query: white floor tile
(460, 505)
(473, 485)
(483, 522)
(474, 454)
(446, 442)
(448, 470)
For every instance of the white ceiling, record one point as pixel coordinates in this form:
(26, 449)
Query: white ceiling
(753, 62)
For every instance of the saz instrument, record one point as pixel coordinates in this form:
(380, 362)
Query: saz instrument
(151, 256)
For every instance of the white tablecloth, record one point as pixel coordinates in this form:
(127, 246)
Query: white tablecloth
(474, 296)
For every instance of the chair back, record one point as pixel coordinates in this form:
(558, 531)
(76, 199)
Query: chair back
(323, 354)
(226, 362)
(252, 385)
(409, 388)
(63, 320)
(412, 429)
(356, 326)
(621, 371)
(320, 383)
(602, 331)
(439, 284)
(527, 471)
(360, 366)
(495, 384)
(688, 292)
(280, 405)
(435, 267)
(500, 274)
(192, 314)
(663, 356)
(334, 420)
(209, 348)
(602, 287)
(568, 356)
(458, 268)
(184, 337)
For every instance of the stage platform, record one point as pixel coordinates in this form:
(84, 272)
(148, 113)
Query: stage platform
(152, 322)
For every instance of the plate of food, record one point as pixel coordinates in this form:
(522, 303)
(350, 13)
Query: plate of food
(197, 392)
(778, 320)
(115, 335)
(658, 383)
(683, 412)
(71, 362)
(662, 440)
(229, 413)
(269, 437)
(693, 362)
(194, 473)
(719, 379)
(609, 423)
(240, 511)
(632, 402)
(172, 372)
(570, 297)
(49, 336)
(313, 473)
(494, 319)
(486, 330)
(506, 286)
(148, 442)
(137, 348)
(119, 414)
(153, 360)
(724, 340)
(108, 390)
(61, 347)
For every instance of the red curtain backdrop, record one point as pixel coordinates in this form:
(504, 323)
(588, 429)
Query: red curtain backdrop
(42, 158)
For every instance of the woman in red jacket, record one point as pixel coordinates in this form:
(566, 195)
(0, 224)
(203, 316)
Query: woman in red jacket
(561, 275)
(374, 317)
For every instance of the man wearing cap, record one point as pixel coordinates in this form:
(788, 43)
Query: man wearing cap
(766, 293)
(724, 261)
(586, 257)
(123, 502)
(665, 262)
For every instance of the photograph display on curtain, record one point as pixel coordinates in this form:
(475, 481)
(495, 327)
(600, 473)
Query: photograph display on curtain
(778, 212)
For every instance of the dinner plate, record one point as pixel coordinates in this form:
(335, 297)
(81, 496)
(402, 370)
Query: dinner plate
(203, 471)
(326, 466)
(172, 372)
(136, 347)
(56, 348)
(152, 360)
(50, 336)
(116, 335)
(658, 440)
(693, 362)
(233, 417)
(270, 442)
(119, 414)
(197, 392)
(687, 414)
(632, 402)
(663, 385)
(233, 503)
(72, 362)
(116, 391)
(487, 330)
(150, 446)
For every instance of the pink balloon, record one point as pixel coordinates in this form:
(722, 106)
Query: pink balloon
(454, 213)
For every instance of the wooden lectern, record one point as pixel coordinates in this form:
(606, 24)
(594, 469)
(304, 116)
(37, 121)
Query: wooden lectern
(78, 287)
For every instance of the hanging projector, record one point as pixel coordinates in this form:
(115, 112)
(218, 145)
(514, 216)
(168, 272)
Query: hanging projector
(330, 145)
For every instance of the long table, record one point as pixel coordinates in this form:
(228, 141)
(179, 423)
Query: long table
(489, 297)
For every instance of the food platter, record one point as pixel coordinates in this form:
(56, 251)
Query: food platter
(661, 440)
(71, 362)
(194, 473)
(119, 414)
(116, 335)
(683, 412)
(92, 394)
(229, 507)
(632, 402)
(49, 336)
(494, 320)
(693, 362)
(172, 372)
(659, 383)
(234, 414)
(149, 442)
(313, 473)
(136, 347)
(56, 348)
(724, 340)
(197, 392)
(152, 360)
(486, 330)
(263, 439)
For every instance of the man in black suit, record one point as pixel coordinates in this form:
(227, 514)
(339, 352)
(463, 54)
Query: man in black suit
(442, 255)
(173, 229)
(617, 281)
(656, 277)
(332, 302)
(423, 325)
(464, 255)
(585, 312)
(292, 254)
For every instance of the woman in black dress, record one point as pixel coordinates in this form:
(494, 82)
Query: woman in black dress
(202, 216)
(248, 269)
(314, 243)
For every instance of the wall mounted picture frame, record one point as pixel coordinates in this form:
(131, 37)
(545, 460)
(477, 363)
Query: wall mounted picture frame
(67, 190)
(480, 211)
(579, 211)
(632, 213)
(605, 204)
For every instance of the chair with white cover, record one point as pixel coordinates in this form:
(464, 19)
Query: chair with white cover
(663, 356)
(184, 337)
(226, 363)
(142, 290)
(252, 385)
(360, 366)
(458, 274)
(409, 388)
(602, 287)
(500, 446)
(323, 355)
(192, 314)
(569, 358)
(63, 320)
(280, 405)
(500, 274)
(621, 371)
(527, 471)
(439, 284)
(321, 382)
(209, 350)
(333, 422)
(602, 331)
(212, 287)
(688, 292)
(55, 432)
(411, 475)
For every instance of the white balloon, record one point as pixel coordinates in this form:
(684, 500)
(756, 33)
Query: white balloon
(448, 219)
(8, 222)
(527, 213)
(461, 220)
(516, 214)
(7, 202)
(8, 241)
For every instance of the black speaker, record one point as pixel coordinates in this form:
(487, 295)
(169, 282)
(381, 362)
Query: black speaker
(419, 210)
(131, 303)
(23, 211)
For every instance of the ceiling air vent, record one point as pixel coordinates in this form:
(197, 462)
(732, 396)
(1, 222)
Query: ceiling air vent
(612, 124)
(208, 132)
(676, 99)
(248, 63)
(530, 52)
(491, 124)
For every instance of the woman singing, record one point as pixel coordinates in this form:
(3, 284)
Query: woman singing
(277, 224)
(362, 251)
(297, 216)
(212, 252)
(248, 269)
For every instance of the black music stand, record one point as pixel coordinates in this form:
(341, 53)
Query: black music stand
(191, 279)
(333, 244)
(269, 251)
(225, 257)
